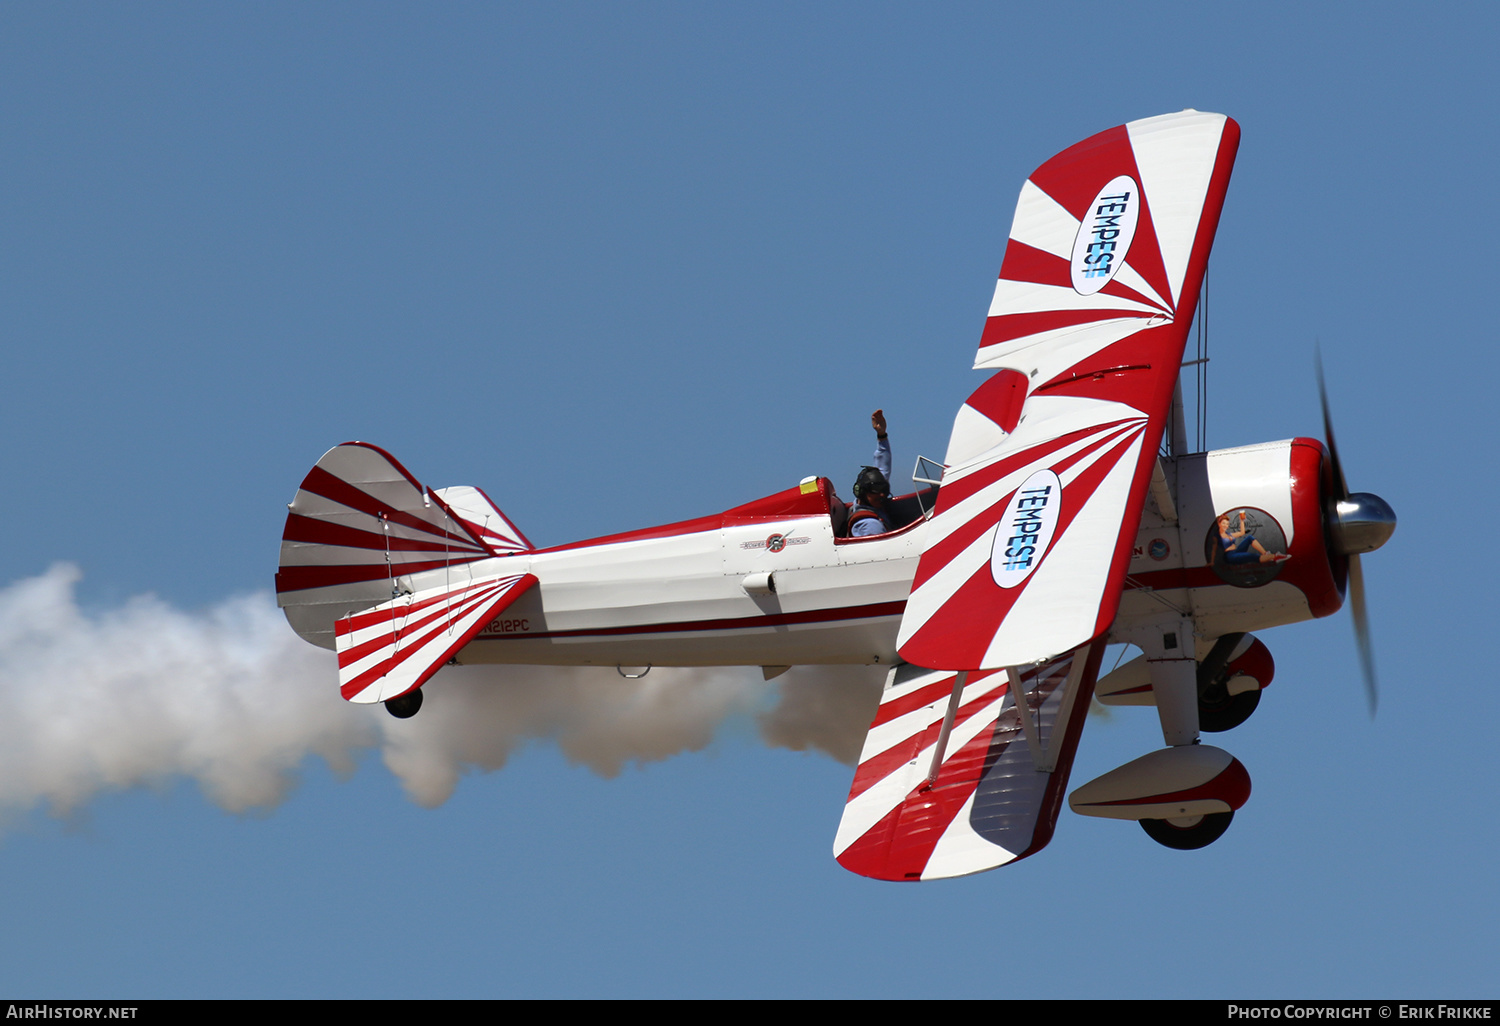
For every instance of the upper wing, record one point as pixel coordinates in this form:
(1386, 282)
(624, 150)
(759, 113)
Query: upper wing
(1050, 459)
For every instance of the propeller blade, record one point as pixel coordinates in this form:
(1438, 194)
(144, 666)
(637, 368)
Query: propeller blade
(1362, 630)
(1333, 449)
(1356, 587)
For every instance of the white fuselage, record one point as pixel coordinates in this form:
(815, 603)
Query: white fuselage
(785, 591)
(700, 598)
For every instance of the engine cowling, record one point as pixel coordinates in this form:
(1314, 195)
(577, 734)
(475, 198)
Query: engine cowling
(1252, 536)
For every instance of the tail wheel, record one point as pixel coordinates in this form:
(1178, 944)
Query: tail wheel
(1189, 832)
(404, 707)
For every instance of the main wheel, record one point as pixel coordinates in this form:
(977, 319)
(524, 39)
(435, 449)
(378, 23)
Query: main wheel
(1189, 832)
(1219, 711)
(404, 707)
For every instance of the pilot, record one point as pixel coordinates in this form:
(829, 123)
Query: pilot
(871, 512)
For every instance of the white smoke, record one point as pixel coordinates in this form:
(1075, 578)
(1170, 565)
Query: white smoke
(475, 717)
(230, 697)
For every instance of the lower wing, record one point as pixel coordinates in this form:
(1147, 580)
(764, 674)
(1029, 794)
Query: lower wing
(957, 776)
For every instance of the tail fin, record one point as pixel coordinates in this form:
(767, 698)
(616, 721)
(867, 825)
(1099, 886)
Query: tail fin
(360, 523)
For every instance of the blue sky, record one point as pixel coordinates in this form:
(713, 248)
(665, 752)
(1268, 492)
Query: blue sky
(625, 264)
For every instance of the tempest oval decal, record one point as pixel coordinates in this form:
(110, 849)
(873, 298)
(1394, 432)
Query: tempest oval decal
(1025, 532)
(1104, 235)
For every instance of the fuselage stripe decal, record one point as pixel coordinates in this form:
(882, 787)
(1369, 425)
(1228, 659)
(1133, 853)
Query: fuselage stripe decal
(870, 612)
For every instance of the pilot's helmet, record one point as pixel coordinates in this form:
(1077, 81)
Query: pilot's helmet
(870, 482)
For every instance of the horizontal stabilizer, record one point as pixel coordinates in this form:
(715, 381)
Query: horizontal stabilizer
(998, 784)
(388, 650)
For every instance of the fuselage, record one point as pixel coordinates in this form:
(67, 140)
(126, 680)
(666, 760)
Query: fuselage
(767, 584)
(770, 583)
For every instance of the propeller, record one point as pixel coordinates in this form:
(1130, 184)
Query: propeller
(1357, 522)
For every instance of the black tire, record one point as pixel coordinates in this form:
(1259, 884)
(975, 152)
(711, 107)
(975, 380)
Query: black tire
(1219, 711)
(1200, 833)
(404, 707)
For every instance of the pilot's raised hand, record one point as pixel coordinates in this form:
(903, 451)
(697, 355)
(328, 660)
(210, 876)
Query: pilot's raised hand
(877, 421)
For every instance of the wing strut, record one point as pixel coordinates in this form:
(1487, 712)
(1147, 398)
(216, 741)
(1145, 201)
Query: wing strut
(1044, 755)
(1161, 492)
(1023, 711)
(940, 749)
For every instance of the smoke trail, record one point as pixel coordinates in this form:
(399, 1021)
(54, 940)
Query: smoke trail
(825, 709)
(475, 717)
(233, 699)
(145, 692)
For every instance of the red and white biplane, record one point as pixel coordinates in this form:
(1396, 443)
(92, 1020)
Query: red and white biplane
(1069, 515)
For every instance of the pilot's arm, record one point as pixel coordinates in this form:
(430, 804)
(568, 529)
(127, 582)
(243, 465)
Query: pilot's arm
(867, 526)
(882, 444)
